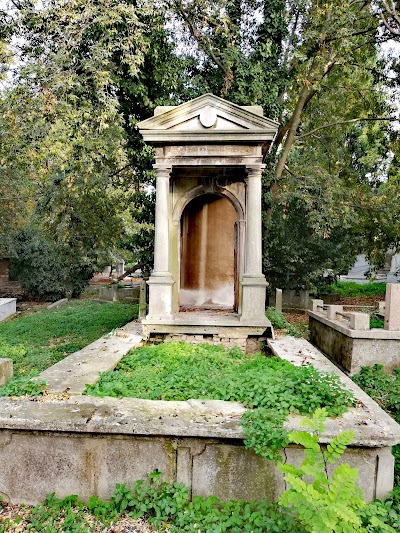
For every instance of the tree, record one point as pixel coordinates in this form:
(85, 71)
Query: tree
(91, 71)
(314, 65)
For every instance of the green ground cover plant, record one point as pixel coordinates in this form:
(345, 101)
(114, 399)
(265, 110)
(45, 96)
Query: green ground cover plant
(376, 322)
(353, 289)
(384, 388)
(279, 321)
(167, 506)
(39, 340)
(270, 388)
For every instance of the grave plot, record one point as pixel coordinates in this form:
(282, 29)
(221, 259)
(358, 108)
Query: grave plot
(348, 339)
(85, 445)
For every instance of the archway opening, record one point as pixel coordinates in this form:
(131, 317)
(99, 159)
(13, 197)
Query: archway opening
(209, 253)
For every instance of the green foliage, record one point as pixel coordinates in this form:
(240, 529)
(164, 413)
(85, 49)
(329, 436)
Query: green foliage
(334, 503)
(384, 388)
(166, 505)
(23, 386)
(296, 253)
(353, 289)
(66, 514)
(46, 270)
(278, 320)
(271, 388)
(376, 322)
(169, 508)
(322, 504)
(39, 340)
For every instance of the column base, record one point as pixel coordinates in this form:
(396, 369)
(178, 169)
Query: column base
(253, 300)
(160, 296)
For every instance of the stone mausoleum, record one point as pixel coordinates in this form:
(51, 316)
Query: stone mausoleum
(207, 281)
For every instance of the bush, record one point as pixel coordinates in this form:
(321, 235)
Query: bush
(46, 271)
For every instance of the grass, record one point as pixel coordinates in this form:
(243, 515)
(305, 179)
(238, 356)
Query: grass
(352, 289)
(39, 340)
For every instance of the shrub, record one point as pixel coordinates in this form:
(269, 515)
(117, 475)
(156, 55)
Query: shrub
(354, 289)
(46, 271)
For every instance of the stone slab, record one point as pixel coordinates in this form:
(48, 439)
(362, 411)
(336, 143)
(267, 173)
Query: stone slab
(73, 373)
(8, 307)
(202, 319)
(392, 307)
(371, 424)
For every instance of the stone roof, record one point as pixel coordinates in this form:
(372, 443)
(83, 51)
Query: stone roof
(208, 119)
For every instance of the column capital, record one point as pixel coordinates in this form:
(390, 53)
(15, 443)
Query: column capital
(254, 170)
(163, 171)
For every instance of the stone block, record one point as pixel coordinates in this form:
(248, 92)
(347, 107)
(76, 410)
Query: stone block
(58, 303)
(392, 308)
(331, 311)
(6, 370)
(359, 321)
(278, 300)
(8, 307)
(317, 306)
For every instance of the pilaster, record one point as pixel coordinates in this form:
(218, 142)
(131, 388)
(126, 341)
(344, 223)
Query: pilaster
(161, 280)
(253, 281)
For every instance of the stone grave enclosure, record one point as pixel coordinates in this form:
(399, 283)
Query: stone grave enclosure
(347, 339)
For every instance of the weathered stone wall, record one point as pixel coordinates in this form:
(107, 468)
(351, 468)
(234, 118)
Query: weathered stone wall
(249, 344)
(119, 294)
(292, 299)
(35, 463)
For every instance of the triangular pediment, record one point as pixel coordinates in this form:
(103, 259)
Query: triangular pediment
(207, 114)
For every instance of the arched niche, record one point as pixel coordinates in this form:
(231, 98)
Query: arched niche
(209, 241)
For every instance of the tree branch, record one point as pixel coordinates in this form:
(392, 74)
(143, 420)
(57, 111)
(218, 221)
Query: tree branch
(200, 40)
(341, 122)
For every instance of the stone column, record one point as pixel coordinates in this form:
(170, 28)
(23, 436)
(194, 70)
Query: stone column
(160, 282)
(253, 258)
(161, 236)
(253, 281)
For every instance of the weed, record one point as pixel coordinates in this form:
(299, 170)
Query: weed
(278, 321)
(168, 505)
(327, 504)
(270, 387)
(376, 322)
